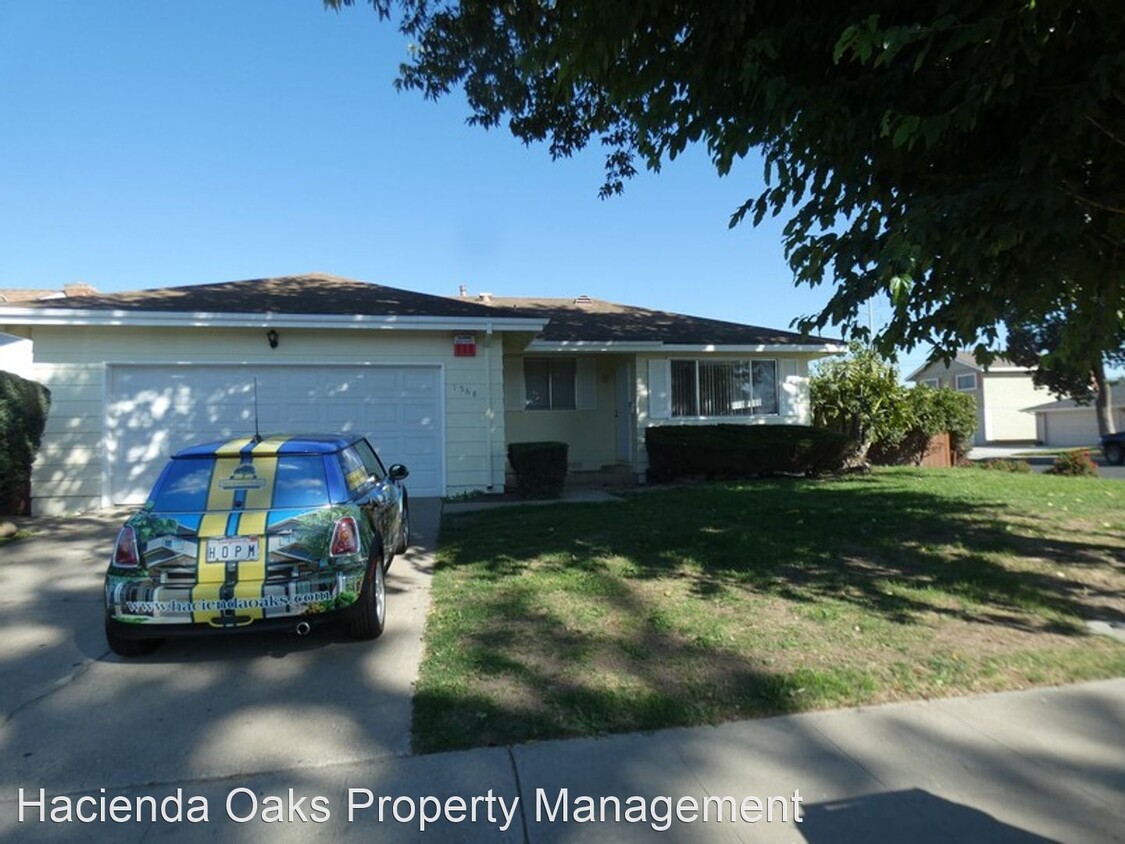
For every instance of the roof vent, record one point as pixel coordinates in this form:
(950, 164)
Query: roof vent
(583, 300)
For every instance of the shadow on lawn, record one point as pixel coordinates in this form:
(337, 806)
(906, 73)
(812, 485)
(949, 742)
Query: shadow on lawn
(805, 542)
(900, 554)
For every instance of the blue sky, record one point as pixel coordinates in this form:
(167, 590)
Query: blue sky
(162, 143)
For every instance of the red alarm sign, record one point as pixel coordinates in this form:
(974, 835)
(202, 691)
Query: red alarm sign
(464, 346)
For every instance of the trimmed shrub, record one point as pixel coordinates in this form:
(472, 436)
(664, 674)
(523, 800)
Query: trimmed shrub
(929, 412)
(540, 468)
(1002, 464)
(1077, 463)
(742, 451)
(859, 395)
(23, 415)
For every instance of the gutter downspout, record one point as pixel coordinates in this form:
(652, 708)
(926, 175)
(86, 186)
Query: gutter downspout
(488, 397)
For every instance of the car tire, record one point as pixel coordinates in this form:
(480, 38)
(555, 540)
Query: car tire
(371, 613)
(124, 646)
(404, 530)
(1114, 453)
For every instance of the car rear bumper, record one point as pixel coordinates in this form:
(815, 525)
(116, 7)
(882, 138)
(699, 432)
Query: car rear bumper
(301, 625)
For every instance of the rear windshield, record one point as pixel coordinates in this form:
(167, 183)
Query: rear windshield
(188, 484)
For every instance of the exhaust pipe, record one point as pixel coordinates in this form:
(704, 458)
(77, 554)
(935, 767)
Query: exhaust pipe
(303, 628)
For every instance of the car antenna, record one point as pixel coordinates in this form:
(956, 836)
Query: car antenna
(257, 433)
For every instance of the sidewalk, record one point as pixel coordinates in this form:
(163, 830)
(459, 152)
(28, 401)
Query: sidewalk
(1026, 767)
(571, 495)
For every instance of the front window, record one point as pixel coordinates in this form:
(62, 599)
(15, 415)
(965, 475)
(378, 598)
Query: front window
(724, 388)
(967, 381)
(549, 383)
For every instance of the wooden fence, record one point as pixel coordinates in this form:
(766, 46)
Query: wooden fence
(939, 453)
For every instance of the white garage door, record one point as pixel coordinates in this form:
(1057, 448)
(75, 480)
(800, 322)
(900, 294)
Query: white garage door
(1072, 428)
(153, 411)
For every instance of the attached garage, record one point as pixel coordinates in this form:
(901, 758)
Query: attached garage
(136, 376)
(152, 411)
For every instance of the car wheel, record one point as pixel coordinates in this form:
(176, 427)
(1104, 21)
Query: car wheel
(1113, 453)
(123, 646)
(371, 614)
(404, 530)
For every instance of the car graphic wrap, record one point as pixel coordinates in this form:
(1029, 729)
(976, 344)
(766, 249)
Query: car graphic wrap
(243, 558)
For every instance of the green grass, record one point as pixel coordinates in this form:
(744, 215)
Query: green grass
(717, 602)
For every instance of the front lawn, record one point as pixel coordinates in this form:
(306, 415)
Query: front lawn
(699, 605)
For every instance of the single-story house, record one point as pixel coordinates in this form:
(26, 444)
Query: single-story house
(1067, 423)
(1002, 390)
(441, 384)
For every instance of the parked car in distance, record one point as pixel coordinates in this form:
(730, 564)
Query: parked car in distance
(259, 533)
(1113, 447)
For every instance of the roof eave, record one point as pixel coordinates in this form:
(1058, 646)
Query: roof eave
(594, 346)
(201, 319)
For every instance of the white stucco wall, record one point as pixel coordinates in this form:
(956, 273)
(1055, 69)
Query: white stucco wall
(1006, 396)
(1001, 396)
(71, 361)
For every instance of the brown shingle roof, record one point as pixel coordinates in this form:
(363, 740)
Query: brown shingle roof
(21, 296)
(589, 320)
(598, 320)
(313, 294)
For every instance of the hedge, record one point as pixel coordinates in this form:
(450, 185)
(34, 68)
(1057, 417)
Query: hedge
(930, 412)
(540, 468)
(742, 451)
(23, 415)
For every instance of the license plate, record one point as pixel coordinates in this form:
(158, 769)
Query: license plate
(231, 549)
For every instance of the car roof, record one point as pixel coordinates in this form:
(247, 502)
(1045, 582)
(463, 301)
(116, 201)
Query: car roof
(270, 445)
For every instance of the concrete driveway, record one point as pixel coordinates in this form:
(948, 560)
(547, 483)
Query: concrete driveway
(76, 716)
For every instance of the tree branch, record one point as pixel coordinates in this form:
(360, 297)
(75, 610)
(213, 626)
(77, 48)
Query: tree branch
(1106, 131)
(1093, 203)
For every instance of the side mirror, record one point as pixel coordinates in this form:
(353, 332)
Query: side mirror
(397, 472)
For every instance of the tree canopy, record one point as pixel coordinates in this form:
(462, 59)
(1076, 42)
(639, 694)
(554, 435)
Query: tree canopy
(1064, 364)
(964, 157)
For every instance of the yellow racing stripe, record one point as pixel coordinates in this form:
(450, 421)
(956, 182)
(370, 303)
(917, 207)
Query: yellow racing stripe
(209, 576)
(262, 498)
(231, 448)
(252, 573)
(270, 446)
(251, 522)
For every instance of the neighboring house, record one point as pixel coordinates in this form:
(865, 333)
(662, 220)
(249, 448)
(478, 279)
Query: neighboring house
(1002, 391)
(15, 352)
(441, 384)
(1068, 423)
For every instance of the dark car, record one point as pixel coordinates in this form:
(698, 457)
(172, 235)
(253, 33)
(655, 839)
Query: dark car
(1113, 447)
(281, 532)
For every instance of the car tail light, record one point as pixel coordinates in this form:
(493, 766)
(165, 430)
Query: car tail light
(125, 551)
(345, 538)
